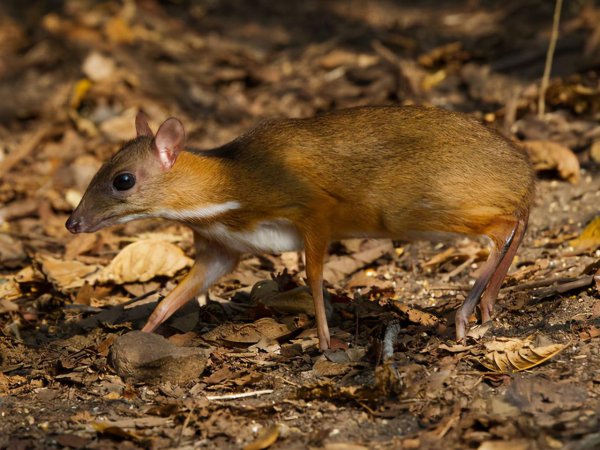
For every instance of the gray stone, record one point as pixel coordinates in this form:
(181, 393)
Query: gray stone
(150, 358)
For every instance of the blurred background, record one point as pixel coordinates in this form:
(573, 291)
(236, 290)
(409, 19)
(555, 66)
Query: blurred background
(73, 73)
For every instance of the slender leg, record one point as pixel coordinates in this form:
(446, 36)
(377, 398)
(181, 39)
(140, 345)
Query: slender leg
(212, 262)
(315, 249)
(488, 299)
(489, 269)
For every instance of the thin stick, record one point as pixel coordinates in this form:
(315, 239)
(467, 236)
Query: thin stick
(549, 57)
(184, 426)
(240, 395)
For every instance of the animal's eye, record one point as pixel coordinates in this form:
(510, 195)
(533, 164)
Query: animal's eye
(124, 181)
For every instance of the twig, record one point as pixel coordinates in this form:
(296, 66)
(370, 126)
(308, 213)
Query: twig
(565, 282)
(240, 395)
(562, 288)
(549, 57)
(184, 426)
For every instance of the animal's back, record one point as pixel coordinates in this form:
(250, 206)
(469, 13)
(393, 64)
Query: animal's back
(414, 168)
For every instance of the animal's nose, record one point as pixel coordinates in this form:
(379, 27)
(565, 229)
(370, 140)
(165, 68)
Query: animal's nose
(73, 224)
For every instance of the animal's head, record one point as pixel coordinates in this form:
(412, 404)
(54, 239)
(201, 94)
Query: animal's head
(131, 184)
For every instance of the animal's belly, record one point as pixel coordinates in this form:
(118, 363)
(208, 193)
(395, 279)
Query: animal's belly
(266, 237)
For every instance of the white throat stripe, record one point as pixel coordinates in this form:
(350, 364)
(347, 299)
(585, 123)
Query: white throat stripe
(202, 212)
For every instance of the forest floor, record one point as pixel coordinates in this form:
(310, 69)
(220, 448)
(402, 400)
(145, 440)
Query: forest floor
(246, 373)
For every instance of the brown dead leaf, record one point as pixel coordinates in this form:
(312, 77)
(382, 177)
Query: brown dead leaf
(118, 31)
(589, 239)
(591, 333)
(367, 278)
(337, 362)
(336, 58)
(144, 260)
(416, 316)
(456, 348)
(119, 128)
(12, 252)
(249, 333)
(85, 294)
(295, 301)
(80, 244)
(66, 275)
(220, 375)
(29, 274)
(476, 332)
(548, 155)
(265, 439)
(98, 67)
(7, 306)
(9, 289)
(465, 253)
(339, 267)
(266, 345)
(109, 430)
(514, 355)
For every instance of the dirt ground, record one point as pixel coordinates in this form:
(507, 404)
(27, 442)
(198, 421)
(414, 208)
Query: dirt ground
(244, 371)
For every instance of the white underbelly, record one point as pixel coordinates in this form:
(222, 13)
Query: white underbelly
(267, 237)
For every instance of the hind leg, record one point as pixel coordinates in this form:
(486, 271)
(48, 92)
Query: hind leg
(488, 299)
(502, 239)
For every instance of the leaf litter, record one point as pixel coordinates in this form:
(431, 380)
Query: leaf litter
(74, 78)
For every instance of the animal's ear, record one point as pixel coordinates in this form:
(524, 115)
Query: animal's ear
(169, 141)
(141, 125)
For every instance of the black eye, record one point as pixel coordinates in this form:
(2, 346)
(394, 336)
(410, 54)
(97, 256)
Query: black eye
(124, 181)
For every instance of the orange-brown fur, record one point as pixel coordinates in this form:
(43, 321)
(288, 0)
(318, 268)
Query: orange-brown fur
(383, 172)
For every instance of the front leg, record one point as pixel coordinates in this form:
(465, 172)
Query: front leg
(212, 262)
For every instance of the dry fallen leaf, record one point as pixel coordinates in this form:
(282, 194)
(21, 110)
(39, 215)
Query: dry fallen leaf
(416, 316)
(265, 439)
(66, 275)
(456, 348)
(547, 155)
(98, 67)
(478, 331)
(8, 306)
(80, 244)
(248, 333)
(119, 128)
(9, 289)
(589, 239)
(144, 260)
(339, 267)
(12, 252)
(515, 355)
(295, 301)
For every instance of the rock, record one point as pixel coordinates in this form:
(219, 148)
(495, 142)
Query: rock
(150, 358)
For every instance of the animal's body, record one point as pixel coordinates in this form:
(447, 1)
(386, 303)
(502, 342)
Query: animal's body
(290, 184)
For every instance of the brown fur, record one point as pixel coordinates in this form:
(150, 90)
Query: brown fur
(385, 172)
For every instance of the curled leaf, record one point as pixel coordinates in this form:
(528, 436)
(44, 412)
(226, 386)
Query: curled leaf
(589, 239)
(515, 355)
(265, 439)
